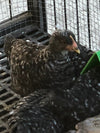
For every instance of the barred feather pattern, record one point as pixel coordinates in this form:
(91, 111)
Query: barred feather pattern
(57, 111)
(38, 67)
(32, 115)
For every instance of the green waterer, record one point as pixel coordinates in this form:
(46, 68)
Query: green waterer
(92, 62)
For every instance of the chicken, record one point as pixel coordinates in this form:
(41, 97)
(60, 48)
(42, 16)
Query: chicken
(71, 131)
(39, 67)
(33, 114)
(64, 107)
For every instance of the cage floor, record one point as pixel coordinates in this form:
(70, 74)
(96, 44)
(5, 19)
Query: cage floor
(7, 97)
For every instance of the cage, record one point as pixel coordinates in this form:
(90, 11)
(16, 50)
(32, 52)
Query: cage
(35, 20)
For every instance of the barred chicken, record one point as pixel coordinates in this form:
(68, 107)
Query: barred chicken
(56, 110)
(36, 66)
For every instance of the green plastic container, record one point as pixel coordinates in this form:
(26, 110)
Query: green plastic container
(92, 62)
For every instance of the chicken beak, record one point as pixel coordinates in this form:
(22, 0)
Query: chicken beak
(75, 47)
(77, 50)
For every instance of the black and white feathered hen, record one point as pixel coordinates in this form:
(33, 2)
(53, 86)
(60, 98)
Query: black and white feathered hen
(57, 110)
(33, 114)
(34, 66)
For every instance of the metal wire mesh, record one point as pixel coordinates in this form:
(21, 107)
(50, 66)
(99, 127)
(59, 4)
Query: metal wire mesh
(83, 22)
(94, 9)
(16, 14)
(82, 17)
(4, 10)
(18, 6)
(11, 8)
